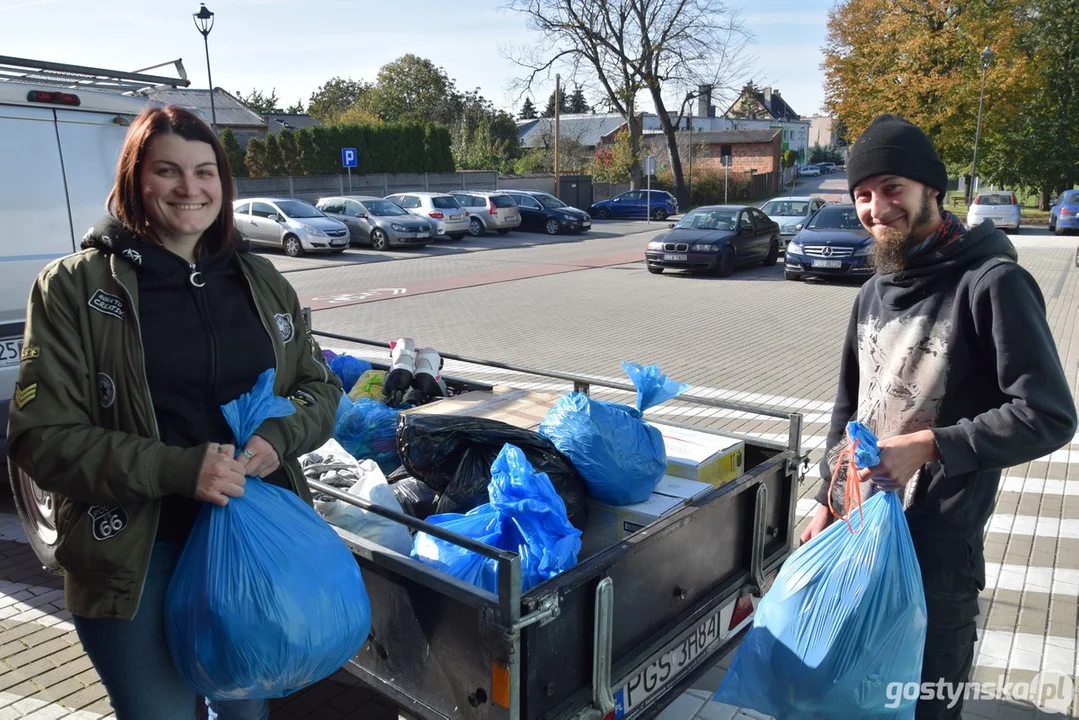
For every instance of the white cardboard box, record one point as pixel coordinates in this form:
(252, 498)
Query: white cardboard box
(701, 456)
(608, 525)
(677, 487)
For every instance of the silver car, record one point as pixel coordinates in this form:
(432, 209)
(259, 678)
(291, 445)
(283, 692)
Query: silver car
(377, 222)
(489, 211)
(1000, 207)
(445, 214)
(791, 213)
(292, 225)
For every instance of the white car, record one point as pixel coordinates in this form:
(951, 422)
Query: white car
(809, 170)
(791, 213)
(442, 211)
(1000, 207)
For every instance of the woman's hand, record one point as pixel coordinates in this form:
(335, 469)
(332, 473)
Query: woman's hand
(221, 475)
(259, 459)
(822, 518)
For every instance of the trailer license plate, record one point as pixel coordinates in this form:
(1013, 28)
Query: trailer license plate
(833, 264)
(674, 660)
(10, 351)
(675, 258)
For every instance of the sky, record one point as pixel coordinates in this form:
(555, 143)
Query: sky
(293, 48)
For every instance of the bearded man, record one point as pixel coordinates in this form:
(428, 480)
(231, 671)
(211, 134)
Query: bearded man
(949, 360)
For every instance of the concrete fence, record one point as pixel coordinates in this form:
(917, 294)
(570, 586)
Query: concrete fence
(314, 187)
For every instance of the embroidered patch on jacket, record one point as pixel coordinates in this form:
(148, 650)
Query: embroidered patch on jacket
(303, 398)
(107, 521)
(106, 303)
(285, 326)
(30, 352)
(106, 390)
(23, 395)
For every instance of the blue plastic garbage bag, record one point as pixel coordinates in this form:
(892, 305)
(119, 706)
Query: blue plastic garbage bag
(841, 628)
(367, 429)
(266, 599)
(866, 452)
(525, 516)
(619, 455)
(348, 369)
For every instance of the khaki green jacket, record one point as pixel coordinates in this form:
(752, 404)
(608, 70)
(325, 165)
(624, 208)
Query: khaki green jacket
(83, 427)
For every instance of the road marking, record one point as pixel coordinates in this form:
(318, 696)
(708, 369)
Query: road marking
(1000, 649)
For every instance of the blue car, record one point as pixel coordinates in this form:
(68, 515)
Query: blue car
(636, 204)
(1064, 213)
(833, 244)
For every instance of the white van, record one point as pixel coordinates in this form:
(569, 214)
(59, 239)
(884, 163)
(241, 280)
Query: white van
(59, 146)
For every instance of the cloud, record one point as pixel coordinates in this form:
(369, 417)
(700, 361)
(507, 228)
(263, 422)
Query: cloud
(26, 4)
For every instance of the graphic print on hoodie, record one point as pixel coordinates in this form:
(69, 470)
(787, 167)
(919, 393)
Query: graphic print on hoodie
(957, 342)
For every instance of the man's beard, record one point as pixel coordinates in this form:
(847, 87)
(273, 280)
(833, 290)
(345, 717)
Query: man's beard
(891, 246)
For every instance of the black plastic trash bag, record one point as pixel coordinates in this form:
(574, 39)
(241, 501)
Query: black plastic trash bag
(453, 454)
(416, 498)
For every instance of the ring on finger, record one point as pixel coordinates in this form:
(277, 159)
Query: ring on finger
(248, 454)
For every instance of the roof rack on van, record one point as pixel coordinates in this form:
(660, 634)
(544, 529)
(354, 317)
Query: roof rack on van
(13, 69)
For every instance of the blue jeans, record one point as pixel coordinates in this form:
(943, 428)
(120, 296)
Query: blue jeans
(132, 657)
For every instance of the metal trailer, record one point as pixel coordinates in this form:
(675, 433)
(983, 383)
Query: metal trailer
(622, 634)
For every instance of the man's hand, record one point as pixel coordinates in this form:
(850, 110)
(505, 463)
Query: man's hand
(259, 458)
(821, 519)
(901, 458)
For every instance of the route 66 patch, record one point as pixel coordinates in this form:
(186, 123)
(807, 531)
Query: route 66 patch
(107, 521)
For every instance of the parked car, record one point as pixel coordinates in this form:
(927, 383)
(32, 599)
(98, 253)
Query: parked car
(293, 225)
(827, 167)
(657, 204)
(543, 211)
(1064, 213)
(377, 222)
(715, 238)
(833, 244)
(792, 213)
(488, 211)
(442, 211)
(809, 170)
(1000, 207)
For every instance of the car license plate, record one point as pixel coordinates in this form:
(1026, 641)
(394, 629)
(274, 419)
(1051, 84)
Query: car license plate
(830, 264)
(675, 659)
(675, 258)
(456, 217)
(10, 351)
(423, 234)
(587, 224)
(515, 218)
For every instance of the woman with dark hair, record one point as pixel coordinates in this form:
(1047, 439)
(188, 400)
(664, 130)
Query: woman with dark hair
(131, 348)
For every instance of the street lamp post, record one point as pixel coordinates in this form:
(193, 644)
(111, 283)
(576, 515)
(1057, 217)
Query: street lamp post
(204, 21)
(557, 133)
(987, 57)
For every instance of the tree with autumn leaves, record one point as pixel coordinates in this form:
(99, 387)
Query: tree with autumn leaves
(920, 59)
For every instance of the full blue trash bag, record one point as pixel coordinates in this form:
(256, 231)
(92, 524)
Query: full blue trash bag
(842, 624)
(367, 429)
(866, 452)
(619, 455)
(525, 516)
(348, 369)
(266, 599)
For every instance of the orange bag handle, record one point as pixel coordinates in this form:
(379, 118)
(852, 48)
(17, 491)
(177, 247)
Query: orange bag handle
(852, 492)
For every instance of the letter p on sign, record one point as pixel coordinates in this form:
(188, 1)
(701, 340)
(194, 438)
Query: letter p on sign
(348, 157)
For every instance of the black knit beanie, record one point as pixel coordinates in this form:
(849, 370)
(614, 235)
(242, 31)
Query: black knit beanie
(893, 146)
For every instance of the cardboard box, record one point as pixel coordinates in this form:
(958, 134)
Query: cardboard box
(519, 408)
(701, 456)
(677, 487)
(607, 525)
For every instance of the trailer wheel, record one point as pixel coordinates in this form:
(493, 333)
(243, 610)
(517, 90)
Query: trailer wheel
(37, 510)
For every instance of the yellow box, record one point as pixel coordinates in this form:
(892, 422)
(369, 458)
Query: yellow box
(702, 456)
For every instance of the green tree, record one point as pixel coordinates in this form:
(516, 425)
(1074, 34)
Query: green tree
(259, 103)
(532, 162)
(275, 162)
(790, 158)
(335, 97)
(563, 105)
(577, 102)
(528, 110)
(823, 153)
(234, 152)
(290, 153)
(256, 159)
(296, 108)
(411, 88)
(612, 164)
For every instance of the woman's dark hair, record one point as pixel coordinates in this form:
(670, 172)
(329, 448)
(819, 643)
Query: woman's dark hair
(125, 199)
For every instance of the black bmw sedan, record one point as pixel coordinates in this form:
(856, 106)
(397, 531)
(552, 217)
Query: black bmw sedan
(715, 238)
(833, 244)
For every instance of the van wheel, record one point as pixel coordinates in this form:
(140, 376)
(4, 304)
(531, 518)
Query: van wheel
(293, 246)
(37, 510)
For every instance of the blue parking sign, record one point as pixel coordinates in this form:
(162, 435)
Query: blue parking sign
(348, 157)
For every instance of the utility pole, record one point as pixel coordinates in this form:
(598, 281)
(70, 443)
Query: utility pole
(557, 109)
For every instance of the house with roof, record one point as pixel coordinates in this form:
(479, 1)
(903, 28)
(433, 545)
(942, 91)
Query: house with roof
(230, 111)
